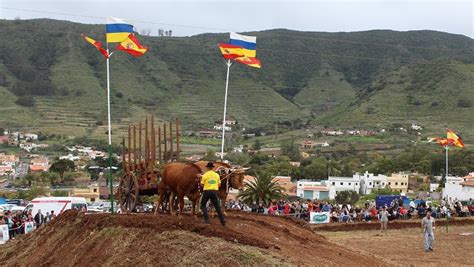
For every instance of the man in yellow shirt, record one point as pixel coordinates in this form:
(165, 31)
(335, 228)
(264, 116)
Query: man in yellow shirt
(211, 182)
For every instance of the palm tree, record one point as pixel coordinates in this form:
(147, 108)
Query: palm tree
(262, 190)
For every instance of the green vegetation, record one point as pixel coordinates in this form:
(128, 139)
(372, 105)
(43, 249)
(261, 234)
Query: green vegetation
(373, 78)
(261, 190)
(347, 197)
(61, 166)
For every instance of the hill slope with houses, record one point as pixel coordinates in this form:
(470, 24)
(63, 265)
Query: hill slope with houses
(53, 81)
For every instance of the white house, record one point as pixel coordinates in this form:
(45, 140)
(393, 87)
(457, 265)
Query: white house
(416, 127)
(219, 128)
(70, 157)
(460, 188)
(312, 190)
(369, 182)
(433, 187)
(337, 184)
(30, 136)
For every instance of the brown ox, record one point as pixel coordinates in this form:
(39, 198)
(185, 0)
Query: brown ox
(231, 177)
(182, 179)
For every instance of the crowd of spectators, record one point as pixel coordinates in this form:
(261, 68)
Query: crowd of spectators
(348, 213)
(16, 221)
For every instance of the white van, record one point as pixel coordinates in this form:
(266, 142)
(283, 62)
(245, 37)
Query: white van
(58, 204)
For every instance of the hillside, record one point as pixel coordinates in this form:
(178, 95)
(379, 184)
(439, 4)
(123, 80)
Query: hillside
(381, 77)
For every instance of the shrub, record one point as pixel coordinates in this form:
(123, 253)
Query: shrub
(25, 101)
(464, 103)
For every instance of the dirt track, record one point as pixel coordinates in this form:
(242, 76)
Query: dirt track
(102, 239)
(398, 224)
(404, 247)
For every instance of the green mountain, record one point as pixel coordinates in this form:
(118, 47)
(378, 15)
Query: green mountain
(54, 81)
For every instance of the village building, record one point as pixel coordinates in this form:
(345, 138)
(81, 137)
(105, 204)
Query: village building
(7, 170)
(398, 182)
(370, 182)
(9, 160)
(338, 184)
(219, 128)
(39, 164)
(308, 144)
(307, 189)
(91, 193)
(296, 164)
(460, 188)
(289, 188)
(331, 132)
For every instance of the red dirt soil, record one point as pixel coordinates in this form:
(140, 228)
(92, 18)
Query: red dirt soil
(398, 224)
(141, 239)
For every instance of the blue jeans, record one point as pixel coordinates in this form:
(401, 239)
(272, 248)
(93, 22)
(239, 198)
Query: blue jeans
(429, 238)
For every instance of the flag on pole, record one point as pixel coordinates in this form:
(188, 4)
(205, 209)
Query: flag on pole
(247, 43)
(231, 51)
(249, 61)
(132, 46)
(454, 139)
(97, 45)
(117, 30)
(241, 49)
(441, 141)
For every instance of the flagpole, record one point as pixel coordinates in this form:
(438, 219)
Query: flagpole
(225, 108)
(110, 136)
(446, 148)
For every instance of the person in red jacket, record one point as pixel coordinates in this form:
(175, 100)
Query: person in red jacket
(286, 209)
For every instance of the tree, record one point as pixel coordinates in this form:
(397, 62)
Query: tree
(61, 166)
(262, 190)
(25, 101)
(291, 150)
(257, 145)
(347, 197)
(210, 156)
(346, 171)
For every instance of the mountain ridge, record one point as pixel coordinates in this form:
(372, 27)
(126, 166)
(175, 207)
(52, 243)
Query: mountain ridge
(307, 76)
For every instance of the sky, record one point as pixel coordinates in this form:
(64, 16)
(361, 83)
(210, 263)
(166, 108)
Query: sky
(193, 17)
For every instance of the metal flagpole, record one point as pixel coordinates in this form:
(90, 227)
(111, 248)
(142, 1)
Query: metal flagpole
(447, 148)
(110, 136)
(225, 108)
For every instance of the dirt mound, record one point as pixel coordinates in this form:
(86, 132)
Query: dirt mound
(403, 224)
(104, 239)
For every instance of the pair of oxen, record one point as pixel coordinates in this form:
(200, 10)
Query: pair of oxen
(183, 180)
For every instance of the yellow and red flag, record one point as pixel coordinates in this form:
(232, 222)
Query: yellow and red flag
(454, 139)
(97, 45)
(440, 141)
(249, 61)
(132, 46)
(231, 51)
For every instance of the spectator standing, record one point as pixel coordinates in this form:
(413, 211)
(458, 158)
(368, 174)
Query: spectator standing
(286, 209)
(383, 220)
(428, 226)
(39, 219)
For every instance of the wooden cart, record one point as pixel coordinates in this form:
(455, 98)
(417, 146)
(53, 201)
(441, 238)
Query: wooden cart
(141, 166)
